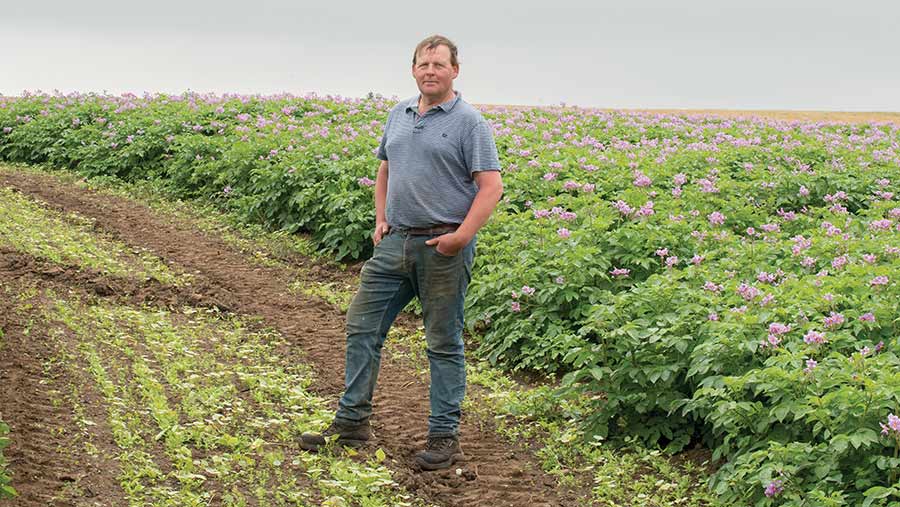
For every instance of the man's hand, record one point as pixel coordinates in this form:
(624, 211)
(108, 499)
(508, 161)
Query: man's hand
(381, 230)
(449, 244)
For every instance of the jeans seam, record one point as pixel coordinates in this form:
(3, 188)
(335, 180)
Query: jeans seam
(385, 310)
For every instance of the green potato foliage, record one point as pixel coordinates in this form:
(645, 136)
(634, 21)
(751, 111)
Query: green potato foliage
(702, 281)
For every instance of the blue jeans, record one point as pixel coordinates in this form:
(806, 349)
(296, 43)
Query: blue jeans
(403, 267)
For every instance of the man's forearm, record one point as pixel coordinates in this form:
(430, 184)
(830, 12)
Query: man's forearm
(381, 180)
(485, 201)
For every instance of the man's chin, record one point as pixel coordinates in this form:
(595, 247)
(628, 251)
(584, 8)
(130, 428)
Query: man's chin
(432, 93)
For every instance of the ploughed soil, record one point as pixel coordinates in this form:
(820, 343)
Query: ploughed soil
(56, 459)
(51, 467)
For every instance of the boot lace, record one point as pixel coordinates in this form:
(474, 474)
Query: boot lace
(439, 443)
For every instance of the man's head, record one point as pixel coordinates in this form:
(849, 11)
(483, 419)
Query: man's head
(435, 66)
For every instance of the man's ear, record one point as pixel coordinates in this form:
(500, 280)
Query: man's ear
(455, 71)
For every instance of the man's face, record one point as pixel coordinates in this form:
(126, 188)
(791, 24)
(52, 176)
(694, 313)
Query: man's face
(433, 72)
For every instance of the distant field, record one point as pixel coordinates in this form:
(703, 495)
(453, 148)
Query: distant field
(827, 116)
(851, 117)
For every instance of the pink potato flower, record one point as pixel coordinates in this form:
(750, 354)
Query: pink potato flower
(619, 272)
(879, 280)
(834, 320)
(867, 317)
(892, 426)
(623, 207)
(811, 365)
(712, 287)
(814, 337)
(641, 179)
(716, 218)
(646, 210)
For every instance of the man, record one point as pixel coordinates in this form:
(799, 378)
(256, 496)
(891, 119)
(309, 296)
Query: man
(437, 184)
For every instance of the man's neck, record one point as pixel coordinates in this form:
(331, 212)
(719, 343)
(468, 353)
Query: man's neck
(425, 103)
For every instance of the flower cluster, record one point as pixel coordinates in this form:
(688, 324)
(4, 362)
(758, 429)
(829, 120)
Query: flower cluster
(623, 207)
(892, 427)
(811, 365)
(712, 287)
(776, 331)
(879, 280)
(641, 179)
(814, 337)
(619, 272)
(515, 305)
(747, 292)
(774, 488)
(834, 319)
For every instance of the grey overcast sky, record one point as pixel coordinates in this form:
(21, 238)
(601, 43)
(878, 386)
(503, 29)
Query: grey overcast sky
(760, 54)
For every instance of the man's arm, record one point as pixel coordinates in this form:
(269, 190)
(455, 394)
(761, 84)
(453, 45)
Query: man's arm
(490, 188)
(381, 225)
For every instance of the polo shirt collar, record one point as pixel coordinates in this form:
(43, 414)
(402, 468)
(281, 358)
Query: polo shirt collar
(444, 106)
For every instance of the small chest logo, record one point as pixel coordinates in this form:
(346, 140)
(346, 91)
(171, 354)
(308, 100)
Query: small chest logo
(444, 135)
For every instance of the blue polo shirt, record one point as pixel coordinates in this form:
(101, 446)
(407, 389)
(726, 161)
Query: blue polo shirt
(431, 160)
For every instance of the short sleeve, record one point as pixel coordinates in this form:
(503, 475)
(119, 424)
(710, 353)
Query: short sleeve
(382, 148)
(479, 149)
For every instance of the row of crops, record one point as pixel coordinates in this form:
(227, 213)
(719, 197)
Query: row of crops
(705, 281)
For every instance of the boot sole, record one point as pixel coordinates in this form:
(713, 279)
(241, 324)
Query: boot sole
(424, 465)
(315, 446)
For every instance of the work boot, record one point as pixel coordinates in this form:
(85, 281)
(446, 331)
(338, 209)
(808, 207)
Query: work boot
(349, 435)
(440, 452)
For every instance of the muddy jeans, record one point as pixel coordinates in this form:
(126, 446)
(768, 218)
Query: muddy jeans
(402, 267)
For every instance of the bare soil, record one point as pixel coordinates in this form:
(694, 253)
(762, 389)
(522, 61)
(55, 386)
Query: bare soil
(495, 472)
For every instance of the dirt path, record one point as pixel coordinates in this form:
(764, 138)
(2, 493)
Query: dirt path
(495, 472)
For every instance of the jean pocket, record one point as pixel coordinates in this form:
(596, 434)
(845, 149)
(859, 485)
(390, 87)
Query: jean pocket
(445, 256)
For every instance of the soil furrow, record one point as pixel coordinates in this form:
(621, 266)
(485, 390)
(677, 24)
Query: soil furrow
(54, 462)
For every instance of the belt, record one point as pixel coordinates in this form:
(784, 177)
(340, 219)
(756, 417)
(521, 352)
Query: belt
(434, 230)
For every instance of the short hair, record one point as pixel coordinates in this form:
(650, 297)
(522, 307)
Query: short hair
(434, 41)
